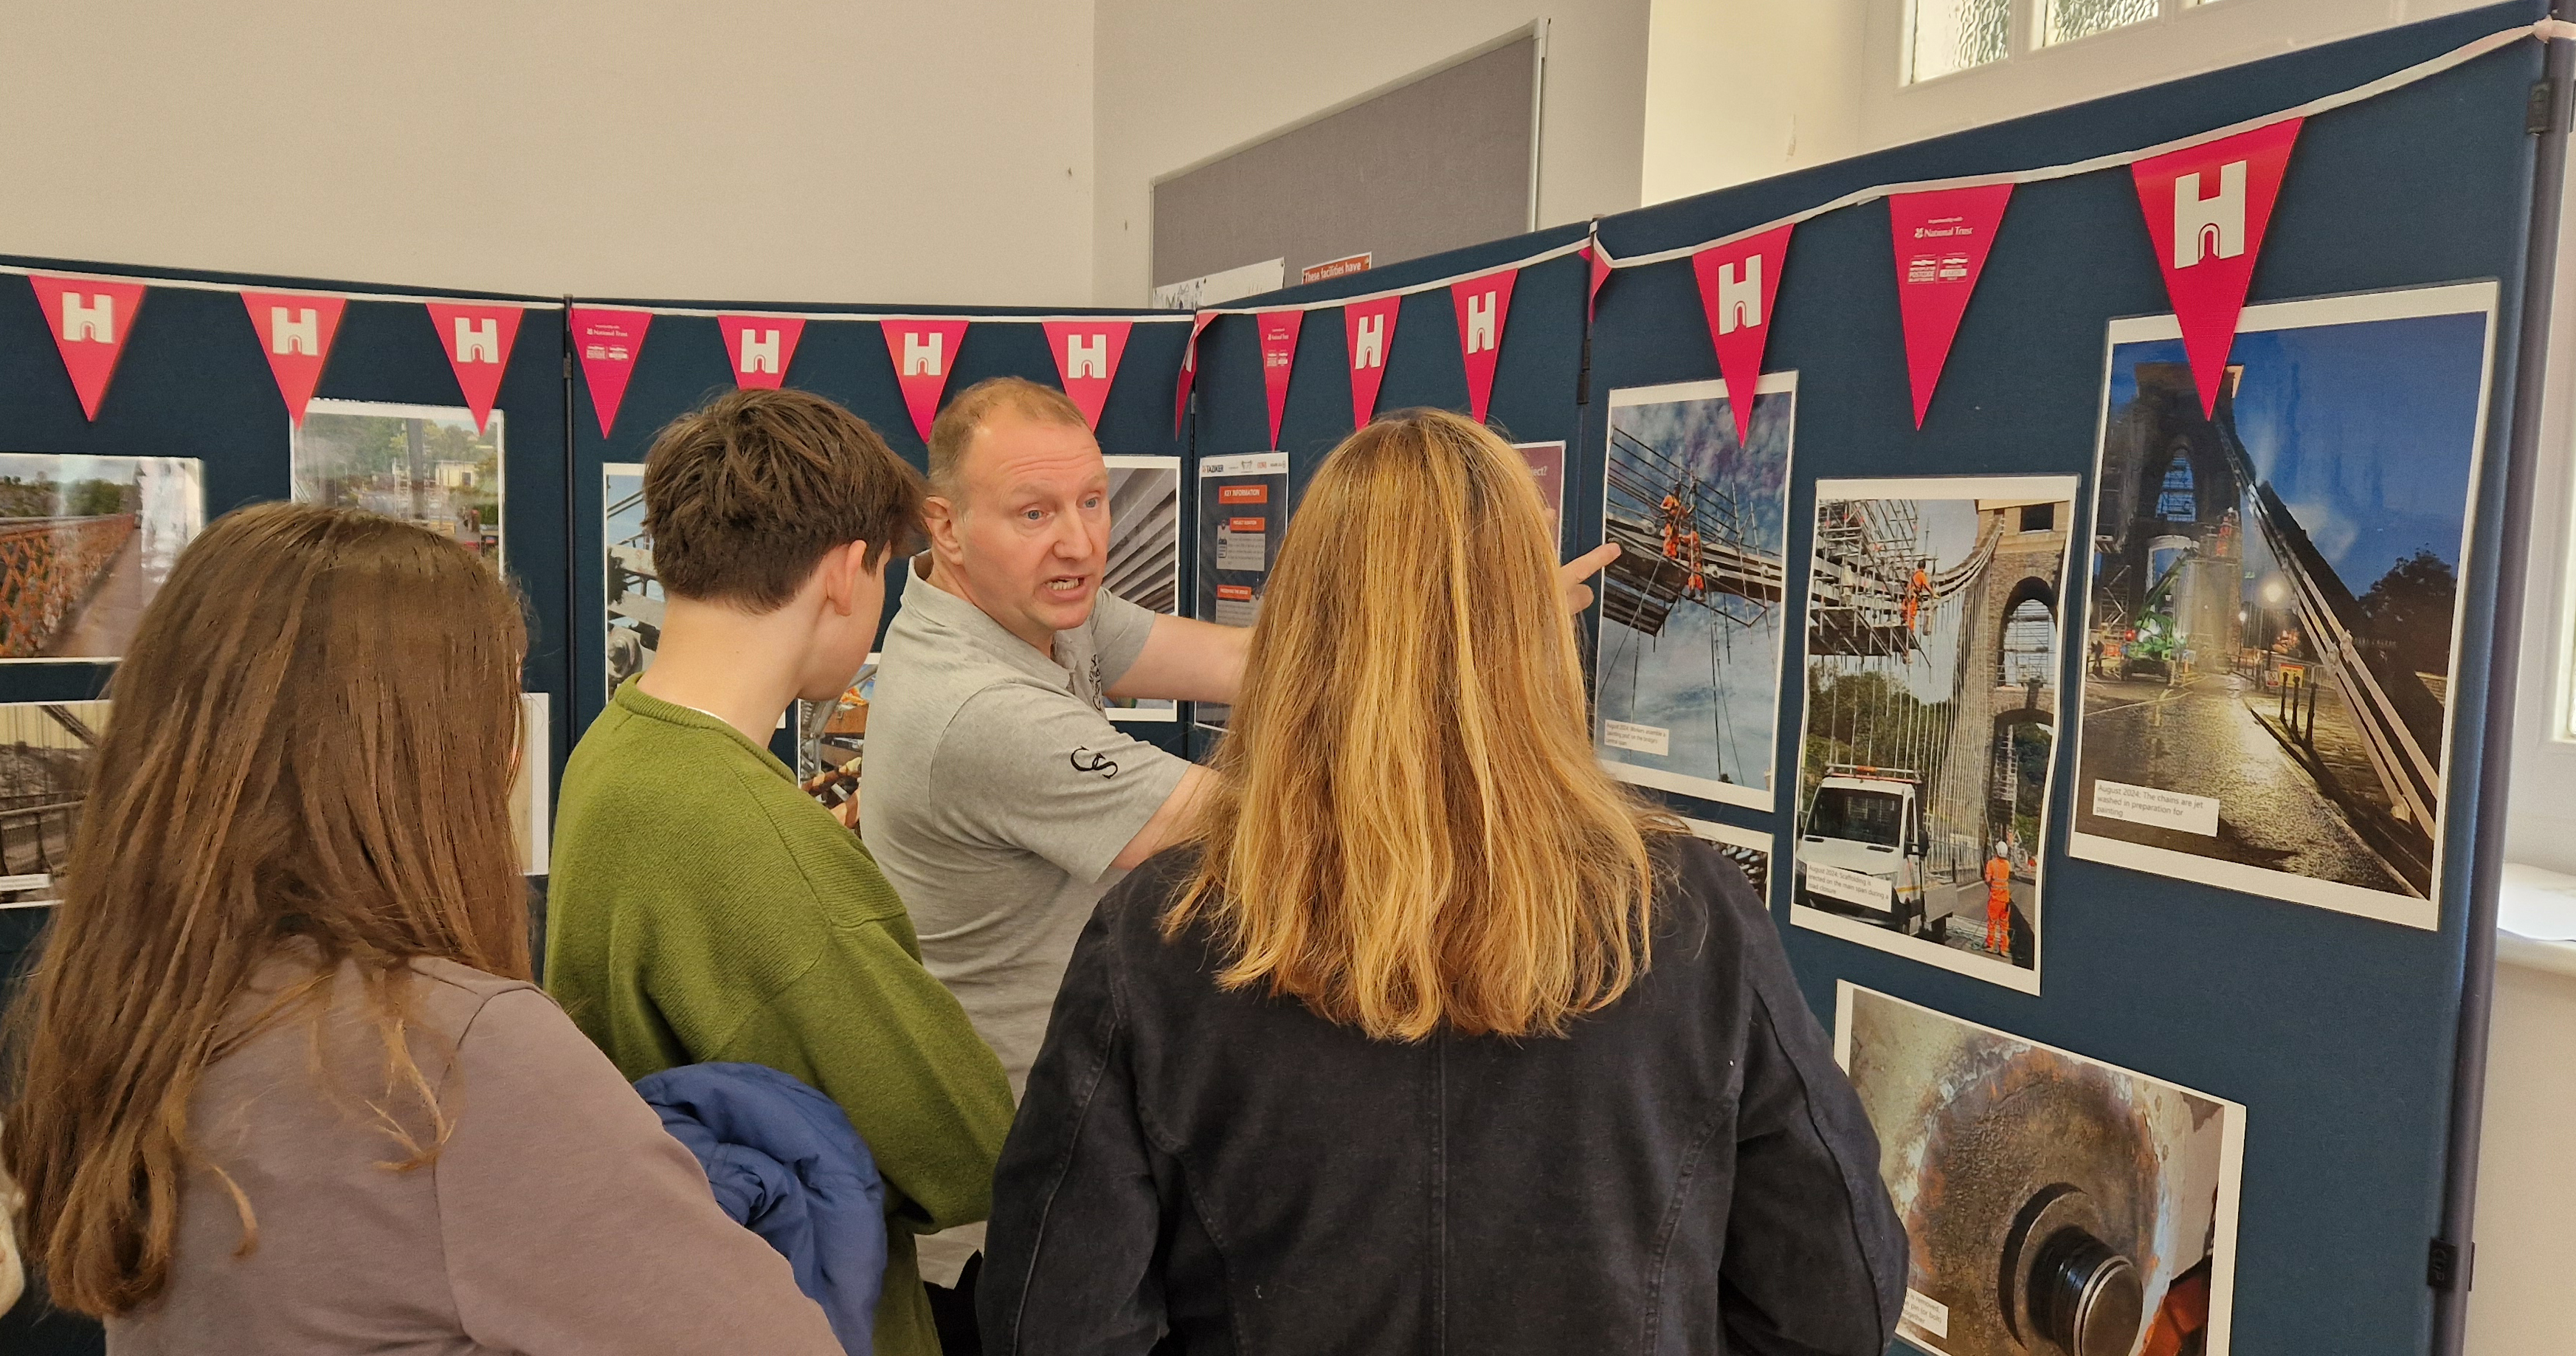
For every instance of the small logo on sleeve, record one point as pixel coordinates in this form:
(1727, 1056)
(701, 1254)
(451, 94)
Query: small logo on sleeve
(1084, 760)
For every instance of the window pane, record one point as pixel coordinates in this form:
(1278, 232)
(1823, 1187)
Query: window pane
(2066, 20)
(1952, 35)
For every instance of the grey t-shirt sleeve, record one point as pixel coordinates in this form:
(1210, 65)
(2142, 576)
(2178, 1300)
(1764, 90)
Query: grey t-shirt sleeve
(1041, 771)
(1119, 630)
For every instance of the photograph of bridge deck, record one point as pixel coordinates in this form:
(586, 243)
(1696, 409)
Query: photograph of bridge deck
(634, 591)
(426, 464)
(46, 752)
(2269, 648)
(1928, 741)
(1687, 670)
(84, 544)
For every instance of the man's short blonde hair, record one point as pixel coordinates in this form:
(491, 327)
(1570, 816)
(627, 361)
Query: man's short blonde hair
(957, 424)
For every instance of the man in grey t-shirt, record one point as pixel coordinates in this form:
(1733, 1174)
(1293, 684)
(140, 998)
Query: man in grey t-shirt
(994, 794)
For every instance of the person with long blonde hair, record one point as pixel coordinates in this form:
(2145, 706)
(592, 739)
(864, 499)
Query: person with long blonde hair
(281, 1083)
(1433, 1038)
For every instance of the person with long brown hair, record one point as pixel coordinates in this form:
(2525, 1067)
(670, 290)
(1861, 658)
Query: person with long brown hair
(281, 1082)
(1433, 1038)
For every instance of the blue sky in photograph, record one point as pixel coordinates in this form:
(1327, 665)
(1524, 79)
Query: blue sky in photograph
(2364, 429)
(1713, 683)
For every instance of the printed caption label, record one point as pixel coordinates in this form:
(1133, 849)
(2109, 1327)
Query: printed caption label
(1235, 605)
(1851, 887)
(2163, 809)
(1654, 739)
(1927, 1313)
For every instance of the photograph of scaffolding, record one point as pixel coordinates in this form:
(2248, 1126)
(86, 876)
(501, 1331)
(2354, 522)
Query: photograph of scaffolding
(1145, 555)
(1931, 708)
(2053, 1203)
(85, 542)
(2274, 601)
(426, 464)
(1687, 668)
(46, 752)
(634, 593)
(831, 741)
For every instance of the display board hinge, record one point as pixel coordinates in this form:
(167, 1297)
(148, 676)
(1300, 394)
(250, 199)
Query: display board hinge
(2447, 1265)
(2546, 108)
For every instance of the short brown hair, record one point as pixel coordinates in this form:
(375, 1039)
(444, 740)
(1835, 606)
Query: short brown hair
(957, 424)
(743, 495)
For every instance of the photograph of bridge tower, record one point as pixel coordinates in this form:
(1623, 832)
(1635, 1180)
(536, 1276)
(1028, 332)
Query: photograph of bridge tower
(424, 463)
(1687, 670)
(634, 616)
(85, 542)
(1929, 738)
(2275, 596)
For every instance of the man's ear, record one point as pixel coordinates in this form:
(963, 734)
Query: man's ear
(939, 521)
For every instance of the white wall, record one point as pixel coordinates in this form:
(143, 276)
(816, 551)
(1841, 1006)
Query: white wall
(811, 150)
(1182, 80)
(1737, 90)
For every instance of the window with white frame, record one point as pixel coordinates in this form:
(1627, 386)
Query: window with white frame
(1944, 37)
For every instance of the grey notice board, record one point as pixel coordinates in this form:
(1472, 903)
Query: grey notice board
(2342, 1036)
(1443, 160)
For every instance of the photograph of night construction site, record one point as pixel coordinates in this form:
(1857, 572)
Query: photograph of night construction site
(1931, 711)
(1687, 671)
(423, 463)
(84, 544)
(2053, 1203)
(2270, 645)
(634, 592)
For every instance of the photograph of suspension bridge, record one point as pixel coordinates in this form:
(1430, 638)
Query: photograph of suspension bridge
(1687, 669)
(2275, 596)
(427, 464)
(1145, 554)
(1931, 717)
(85, 542)
(634, 592)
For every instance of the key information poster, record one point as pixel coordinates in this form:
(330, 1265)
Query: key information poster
(1688, 665)
(1930, 738)
(2053, 1203)
(2275, 601)
(1243, 507)
(1145, 554)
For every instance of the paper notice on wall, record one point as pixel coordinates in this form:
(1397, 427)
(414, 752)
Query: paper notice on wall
(1243, 505)
(1621, 734)
(1927, 1313)
(2163, 809)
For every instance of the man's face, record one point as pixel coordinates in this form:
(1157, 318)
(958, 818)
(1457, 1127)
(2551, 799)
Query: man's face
(1033, 524)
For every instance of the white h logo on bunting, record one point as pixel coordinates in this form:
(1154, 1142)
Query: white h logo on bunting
(760, 347)
(294, 332)
(2211, 227)
(1739, 295)
(921, 355)
(478, 343)
(93, 323)
(1481, 330)
(1086, 360)
(759, 351)
(1368, 342)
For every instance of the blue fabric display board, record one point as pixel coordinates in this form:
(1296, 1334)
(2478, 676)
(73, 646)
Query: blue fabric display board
(2181, 971)
(189, 422)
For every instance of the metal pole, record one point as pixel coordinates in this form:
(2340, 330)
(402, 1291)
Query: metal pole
(2453, 1255)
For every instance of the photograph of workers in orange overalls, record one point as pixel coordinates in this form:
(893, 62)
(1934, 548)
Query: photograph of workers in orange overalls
(1999, 901)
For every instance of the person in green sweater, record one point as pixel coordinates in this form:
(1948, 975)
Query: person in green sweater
(702, 908)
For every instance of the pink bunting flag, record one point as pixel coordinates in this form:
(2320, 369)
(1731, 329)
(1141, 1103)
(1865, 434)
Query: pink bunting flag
(1600, 274)
(295, 331)
(1368, 330)
(1189, 370)
(760, 347)
(923, 352)
(1483, 305)
(1737, 283)
(608, 341)
(89, 319)
(1278, 359)
(1942, 239)
(2206, 208)
(478, 340)
(1086, 358)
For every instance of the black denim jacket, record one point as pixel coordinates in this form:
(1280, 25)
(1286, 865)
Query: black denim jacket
(1221, 1172)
